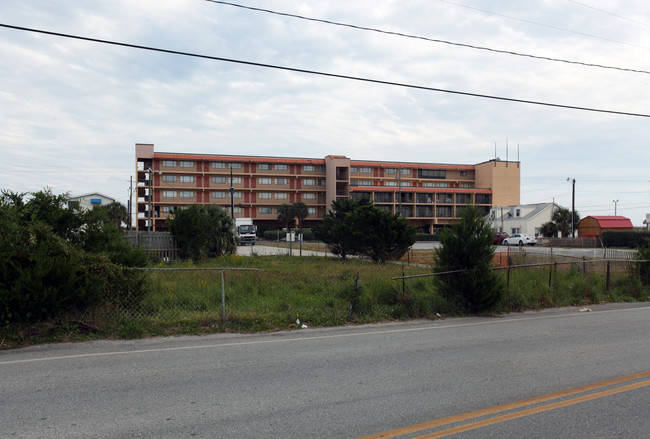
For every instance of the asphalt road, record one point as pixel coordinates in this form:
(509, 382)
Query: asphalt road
(346, 382)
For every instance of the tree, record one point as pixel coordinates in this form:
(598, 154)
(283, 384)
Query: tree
(381, 235)
(287, 215)
(300, 210)
(548, 229)
(203, 231)
(467, 251)
(117, 213)
(358, 227)
(45, 265)
(336, 230)
(560, 222)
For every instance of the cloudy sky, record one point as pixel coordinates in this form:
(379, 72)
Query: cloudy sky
(72, 110)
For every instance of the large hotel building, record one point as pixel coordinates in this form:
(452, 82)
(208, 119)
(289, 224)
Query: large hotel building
(430, 195)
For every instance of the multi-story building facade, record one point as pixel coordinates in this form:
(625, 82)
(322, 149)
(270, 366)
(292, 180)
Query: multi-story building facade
(429, 195)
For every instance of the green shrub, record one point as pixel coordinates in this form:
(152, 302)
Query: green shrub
(629, 239)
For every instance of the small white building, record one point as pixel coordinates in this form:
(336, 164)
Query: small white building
(523, 218)
(89, 201)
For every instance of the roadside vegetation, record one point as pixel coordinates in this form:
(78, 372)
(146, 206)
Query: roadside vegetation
(67, 275)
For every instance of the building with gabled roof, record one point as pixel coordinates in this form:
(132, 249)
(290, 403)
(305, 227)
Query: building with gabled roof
(596, 225)
(521, 218)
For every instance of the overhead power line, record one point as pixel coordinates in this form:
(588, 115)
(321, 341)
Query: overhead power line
(610, 13)
(434, 40)
(544, 25)
(325, 74)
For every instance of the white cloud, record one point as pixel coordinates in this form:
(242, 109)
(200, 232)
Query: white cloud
(73, 110)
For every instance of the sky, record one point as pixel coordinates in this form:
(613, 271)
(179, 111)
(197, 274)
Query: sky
(72, 110)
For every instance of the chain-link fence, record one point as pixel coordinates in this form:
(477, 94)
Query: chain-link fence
(284, 291)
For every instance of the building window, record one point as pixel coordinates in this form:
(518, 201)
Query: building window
(442, 184)
(218, 195)
(169, 179)
(235, 165)
(309, 182)
(264, 167)
(405, 171)
(186, 194)
(169, 163)
(443, 211)
(186, 164)
(281, 167)
(405, 183)
(463, 173)
(424, 211)
(517, 212)
(424, 198)
(390, 171)
(353, 169)
(168, 209)
(432, 173)
(186, 179)
(428, 184)
(466, 185)
(264, 180)
(237, 209)
(309, 168)
(463, 198)
(483, 199)
(365, 170)
(265, 195)
(169, 194)
(264, 210)
(235, 180)
(365, 182)
(311, 210)
(281, 196)
(236, 194)
(322, 182)
(383, 197)
(218, 165)
(390, 183)
(444, 198)
(281, 181)
(309, 196)
(219, 180)
(321, 168)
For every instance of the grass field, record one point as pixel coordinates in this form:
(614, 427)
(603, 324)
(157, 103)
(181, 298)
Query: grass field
(315, 290)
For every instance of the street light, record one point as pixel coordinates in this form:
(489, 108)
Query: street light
(573, 207)
(615, 203)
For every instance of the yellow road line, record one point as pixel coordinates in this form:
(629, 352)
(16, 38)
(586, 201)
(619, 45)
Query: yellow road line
(528, 412)
(506, 407)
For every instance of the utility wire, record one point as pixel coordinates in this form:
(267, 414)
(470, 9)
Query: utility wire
(507, 52)
(610, 13)
(325, 74)
(544, 25)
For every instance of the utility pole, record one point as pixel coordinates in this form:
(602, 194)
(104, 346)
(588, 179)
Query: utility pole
(232, 197)
(399, 183)
(615, 203)
(149, 223)
(573, 207)
(130, 204)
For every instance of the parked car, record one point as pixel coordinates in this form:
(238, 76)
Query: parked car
(520, 239)
(499, 237)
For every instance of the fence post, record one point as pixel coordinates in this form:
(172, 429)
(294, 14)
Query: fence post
(584, 266)
(554, 281)
(608, 281)
(403, 282)
(223, 295)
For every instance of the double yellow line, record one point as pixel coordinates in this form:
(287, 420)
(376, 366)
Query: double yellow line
(586, 394)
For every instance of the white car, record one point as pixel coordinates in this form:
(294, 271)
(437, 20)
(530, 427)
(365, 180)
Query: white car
(520, 239)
